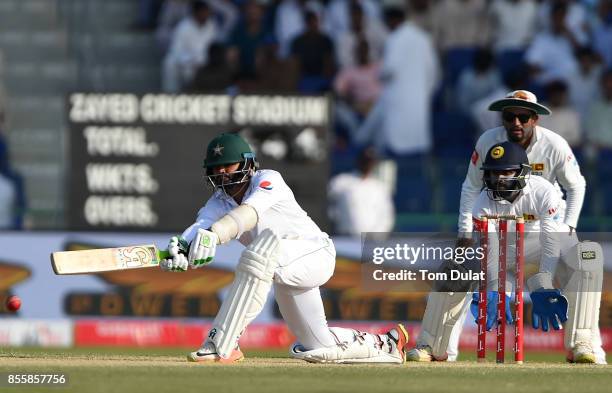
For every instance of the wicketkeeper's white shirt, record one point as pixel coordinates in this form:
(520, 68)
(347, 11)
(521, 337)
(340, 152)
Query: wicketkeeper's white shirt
(539, 204)
(550, 157)
(274, 203)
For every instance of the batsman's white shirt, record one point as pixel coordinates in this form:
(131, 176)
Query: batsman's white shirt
(539, 204)
(307, 257)
(550, 157)
(274, 203)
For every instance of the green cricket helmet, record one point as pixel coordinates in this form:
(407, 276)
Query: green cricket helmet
(227, 149)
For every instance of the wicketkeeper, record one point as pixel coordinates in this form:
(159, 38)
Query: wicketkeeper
(549, 242)
(285, 249)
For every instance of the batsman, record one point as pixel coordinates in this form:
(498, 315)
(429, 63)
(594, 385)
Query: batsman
(577, 266)
(285, 250)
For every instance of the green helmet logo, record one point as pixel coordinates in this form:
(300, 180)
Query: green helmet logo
(227, 149)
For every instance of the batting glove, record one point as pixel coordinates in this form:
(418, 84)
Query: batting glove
(177, 263)
(203, 248)
(177, 248)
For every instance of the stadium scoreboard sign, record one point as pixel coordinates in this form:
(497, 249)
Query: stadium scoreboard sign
(136, 160)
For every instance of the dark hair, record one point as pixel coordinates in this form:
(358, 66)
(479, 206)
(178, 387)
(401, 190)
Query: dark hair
(558, 6)
(483, 59)
(556, 86)
(310, 16)
(199, 5)
(216, 54)
(516, 79)
(356, 8)
(366, 159)
(584, 51)
(394, 13)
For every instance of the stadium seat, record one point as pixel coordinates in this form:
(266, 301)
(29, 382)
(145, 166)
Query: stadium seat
(313, 84)
(509, 60)
(343, 160)
(451, 174)
(455, 61)
(454, 134)
(604, 185)
(413, 190)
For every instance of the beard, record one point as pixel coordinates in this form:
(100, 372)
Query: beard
(519, 134)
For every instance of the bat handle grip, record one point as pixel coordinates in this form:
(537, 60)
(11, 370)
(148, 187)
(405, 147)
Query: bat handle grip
(163, 254)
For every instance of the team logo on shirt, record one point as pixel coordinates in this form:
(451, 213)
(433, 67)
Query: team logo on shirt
(497, 152)
(266, 185)
(537, 169)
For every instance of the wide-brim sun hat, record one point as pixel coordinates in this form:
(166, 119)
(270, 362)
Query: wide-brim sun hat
(520, 99)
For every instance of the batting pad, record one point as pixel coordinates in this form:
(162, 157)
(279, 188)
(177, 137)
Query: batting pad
(583, 291)
(443, 311)
(248, 293)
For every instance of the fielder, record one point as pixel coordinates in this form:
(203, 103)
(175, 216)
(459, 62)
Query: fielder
(550, 157)
(285, 249)
(548, 241)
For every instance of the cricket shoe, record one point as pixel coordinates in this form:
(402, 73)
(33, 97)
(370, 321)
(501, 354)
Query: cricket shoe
(582, 353)
(399, 337)
(208, 354)
(423, 353)
(364, 348)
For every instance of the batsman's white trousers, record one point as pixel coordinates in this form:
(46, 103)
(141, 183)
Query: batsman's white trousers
(305, 265)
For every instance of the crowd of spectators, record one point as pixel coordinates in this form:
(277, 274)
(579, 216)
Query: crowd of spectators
(428, 55)
(413, 78)
(12, 188)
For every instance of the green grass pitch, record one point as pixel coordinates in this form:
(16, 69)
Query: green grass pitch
(166, 370)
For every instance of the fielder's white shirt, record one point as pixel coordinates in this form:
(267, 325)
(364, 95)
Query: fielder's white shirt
(539, 204)
(550, 157)
(274, 203)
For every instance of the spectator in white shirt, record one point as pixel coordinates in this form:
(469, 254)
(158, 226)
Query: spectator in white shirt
(478, 81)
(337, 19)
(564, 120)
(514, 23)
(358, 202)
(189, 47)
(599, 120)
(602, 34)
(361, 28)
(289, 22)
(400, 122)
(551, 54)
(584, 82)
(575, 17)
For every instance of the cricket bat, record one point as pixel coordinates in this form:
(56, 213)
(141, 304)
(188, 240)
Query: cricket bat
(106, 259)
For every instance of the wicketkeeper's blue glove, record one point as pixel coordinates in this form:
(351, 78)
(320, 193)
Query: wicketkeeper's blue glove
(491, 309)
(548, 305)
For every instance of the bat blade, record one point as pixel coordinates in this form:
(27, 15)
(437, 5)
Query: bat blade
(106, 259)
